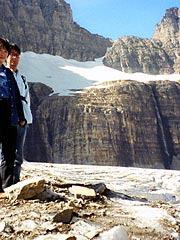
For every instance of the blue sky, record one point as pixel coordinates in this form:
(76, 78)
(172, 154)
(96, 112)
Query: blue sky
(117, 18)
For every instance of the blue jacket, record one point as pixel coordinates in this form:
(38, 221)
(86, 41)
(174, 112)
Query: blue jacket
(17, 113)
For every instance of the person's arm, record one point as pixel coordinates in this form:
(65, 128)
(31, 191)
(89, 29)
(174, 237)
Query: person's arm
(18, 102)
(22, 120)
(27, 94)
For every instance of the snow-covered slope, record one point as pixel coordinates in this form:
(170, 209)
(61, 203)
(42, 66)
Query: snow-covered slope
(63, 74)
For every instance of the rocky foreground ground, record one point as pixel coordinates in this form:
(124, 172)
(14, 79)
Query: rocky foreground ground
(69, 202)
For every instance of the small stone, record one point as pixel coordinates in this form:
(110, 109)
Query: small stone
(26, 189)
(99, 188)
(64, 216)
(5, 227)
(83, 192)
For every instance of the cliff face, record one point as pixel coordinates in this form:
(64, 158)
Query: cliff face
(44, 26)
(132, 54)
(159, 55)
(125, 123)
(168, 32)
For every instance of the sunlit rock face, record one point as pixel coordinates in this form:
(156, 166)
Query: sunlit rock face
(168, 32)
(44, 26)
(159, 55)
(133, 54)
(121, 123)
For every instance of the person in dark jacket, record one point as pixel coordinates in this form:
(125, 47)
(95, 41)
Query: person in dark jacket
(11, 115)
(12, 63)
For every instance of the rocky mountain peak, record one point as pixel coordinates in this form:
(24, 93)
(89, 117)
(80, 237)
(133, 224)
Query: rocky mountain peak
(169, 27)
(47, 26)
(159, 55)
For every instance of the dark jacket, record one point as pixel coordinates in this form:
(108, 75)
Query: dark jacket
(17, 113)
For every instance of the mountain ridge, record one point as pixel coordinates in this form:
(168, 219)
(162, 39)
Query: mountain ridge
(124, 123)
(158, 55)
(44, 26)
(48, 27)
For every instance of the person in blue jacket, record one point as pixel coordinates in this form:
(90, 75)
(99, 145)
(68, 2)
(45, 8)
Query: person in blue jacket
(12, 63)
(11, 115)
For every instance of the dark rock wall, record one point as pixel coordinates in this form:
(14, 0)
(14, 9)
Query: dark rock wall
(168, 94)
(114, 125)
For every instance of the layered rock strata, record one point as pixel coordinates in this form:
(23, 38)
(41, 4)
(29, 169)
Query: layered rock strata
(121, 123)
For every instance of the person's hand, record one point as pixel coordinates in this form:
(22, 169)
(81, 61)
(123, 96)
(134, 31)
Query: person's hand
(22, 123)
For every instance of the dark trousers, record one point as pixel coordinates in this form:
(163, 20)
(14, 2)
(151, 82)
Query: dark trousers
(8, 136)
(21, 137)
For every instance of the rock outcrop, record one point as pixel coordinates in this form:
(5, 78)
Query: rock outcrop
(44, 26)
(159, 55)
(122, 123)
(168, 32)
(132, 54)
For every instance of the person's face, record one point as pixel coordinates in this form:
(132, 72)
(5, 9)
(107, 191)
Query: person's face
(13, 60)
(3, 54)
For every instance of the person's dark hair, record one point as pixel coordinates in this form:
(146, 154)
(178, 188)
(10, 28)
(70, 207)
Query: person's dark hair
(15, 47)
(4, 43)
